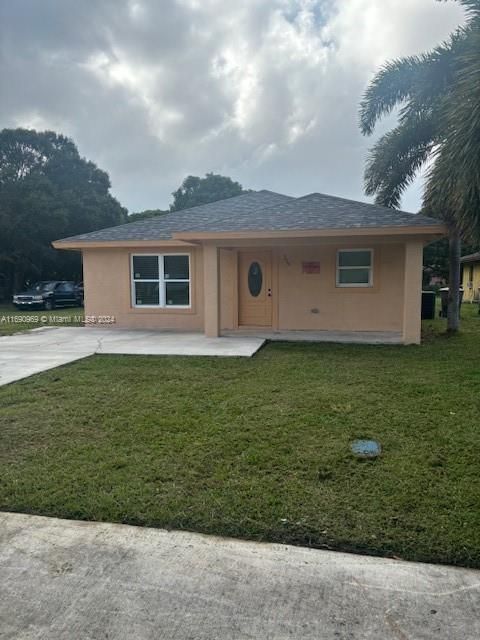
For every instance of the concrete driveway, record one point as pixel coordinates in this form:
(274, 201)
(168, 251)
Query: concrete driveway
(23, 354)
(62, 579)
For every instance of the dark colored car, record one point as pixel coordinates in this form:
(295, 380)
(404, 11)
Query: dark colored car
(49, 295)
(79, 289)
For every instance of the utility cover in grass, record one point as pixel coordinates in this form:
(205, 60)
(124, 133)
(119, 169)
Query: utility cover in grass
(366, 448)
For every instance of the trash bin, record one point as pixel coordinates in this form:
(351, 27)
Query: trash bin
(428, 305)
(444, 299)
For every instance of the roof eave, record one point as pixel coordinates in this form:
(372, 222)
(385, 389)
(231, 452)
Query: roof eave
(112, 244)
(434, 231)
(467, 259)
(184, 238)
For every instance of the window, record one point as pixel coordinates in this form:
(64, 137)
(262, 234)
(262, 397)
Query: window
(65, 287)
(255, 279)
(161, 280)
(355, 268)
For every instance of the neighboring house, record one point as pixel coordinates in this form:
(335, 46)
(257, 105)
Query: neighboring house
(262, 261)
(471, 277)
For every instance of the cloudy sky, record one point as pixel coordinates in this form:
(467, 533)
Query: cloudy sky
(265, 91)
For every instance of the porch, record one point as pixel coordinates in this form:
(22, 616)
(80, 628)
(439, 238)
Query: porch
(342, 337)
(294, 292)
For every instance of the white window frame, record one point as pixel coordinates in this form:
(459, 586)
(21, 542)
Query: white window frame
(162, 288)
(362, 285)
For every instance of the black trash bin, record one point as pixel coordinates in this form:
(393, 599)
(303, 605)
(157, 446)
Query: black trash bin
(428, 305)
(444, 299)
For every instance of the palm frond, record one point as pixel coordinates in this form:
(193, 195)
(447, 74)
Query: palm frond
(454, 197)
(390, 86)
(471, 6)
(397, 157)
(417, 80)
(453, 186)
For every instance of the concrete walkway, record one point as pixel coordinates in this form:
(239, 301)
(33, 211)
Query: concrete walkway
(23, 354)
(69, 580)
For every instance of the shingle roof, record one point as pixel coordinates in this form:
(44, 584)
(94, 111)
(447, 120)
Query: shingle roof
(261, 211)
(473, 257)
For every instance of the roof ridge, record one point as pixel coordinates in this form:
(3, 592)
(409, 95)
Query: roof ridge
(350, 200)
(240, 195)
(169, 214)
(205, 204)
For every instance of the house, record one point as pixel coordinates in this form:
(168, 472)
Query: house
(471, 277)
(262, 261)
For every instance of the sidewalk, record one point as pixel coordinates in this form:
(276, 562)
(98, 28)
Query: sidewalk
(76, 580)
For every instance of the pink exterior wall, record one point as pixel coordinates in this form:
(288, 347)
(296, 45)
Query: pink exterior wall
(106, 274)
(301, 301)
(228, 289)
(312, 301)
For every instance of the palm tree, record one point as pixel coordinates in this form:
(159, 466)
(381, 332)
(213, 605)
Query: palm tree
(438, 95)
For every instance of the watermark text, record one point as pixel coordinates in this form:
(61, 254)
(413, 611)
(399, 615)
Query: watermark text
(52, 319)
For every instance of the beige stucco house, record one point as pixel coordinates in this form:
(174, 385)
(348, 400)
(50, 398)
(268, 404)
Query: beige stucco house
(265, 262)
(471, 277)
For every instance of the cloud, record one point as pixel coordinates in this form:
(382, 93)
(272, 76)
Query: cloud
(266, 91)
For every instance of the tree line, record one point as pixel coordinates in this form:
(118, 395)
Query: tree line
(48, 191)
(195, 191)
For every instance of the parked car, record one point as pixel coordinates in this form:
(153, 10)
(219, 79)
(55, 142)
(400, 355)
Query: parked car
(48, 295)
(3, 287)
(79, 289)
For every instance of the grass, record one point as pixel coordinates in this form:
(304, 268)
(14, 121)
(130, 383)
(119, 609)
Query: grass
(259, 448)
(14, 321)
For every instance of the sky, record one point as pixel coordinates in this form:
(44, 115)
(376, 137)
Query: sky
(264, 91)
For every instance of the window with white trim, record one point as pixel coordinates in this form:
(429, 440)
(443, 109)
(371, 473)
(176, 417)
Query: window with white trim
(161, 280)
(355, 268)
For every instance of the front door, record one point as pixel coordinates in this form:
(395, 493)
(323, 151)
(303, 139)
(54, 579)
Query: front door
(255, 289)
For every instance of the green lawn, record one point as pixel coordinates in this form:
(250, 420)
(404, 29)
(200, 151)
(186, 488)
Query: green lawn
(259, 448)
(14, 321)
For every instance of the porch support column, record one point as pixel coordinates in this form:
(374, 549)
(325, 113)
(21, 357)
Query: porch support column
(211, 289)
(412, 292)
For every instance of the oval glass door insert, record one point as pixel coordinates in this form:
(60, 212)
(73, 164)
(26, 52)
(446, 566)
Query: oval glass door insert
(255, 279)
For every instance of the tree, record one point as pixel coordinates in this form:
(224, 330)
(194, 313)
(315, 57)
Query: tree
(435, 261)
(438, 96)
(47, 191)
(194, 191)
(454, 180)
(148, 213)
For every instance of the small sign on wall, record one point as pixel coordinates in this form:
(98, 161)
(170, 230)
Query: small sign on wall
(310, 267)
